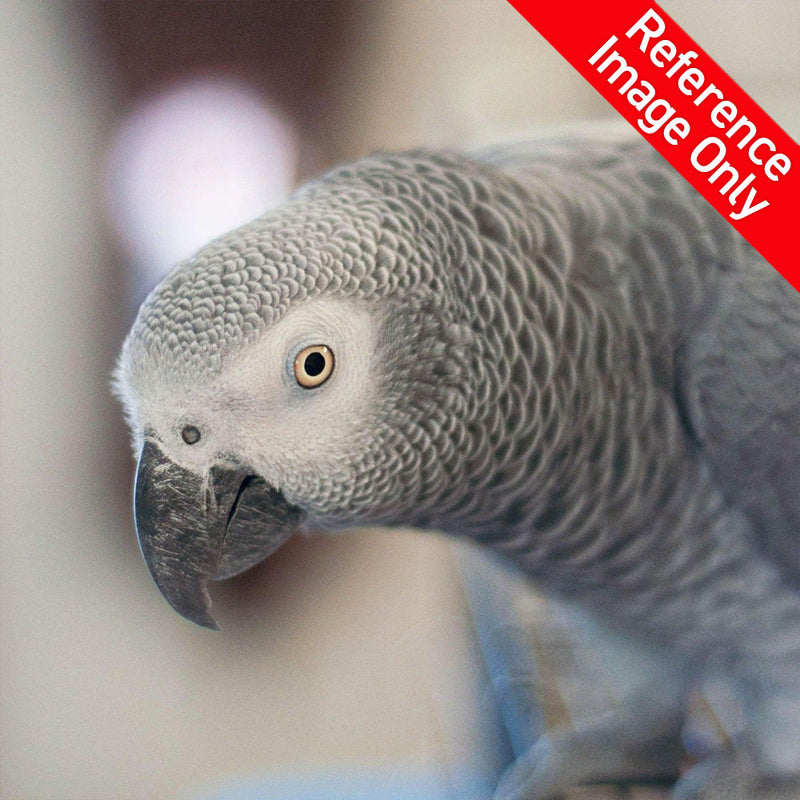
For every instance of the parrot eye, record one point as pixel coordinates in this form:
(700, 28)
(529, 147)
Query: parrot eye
(190, 434)
(313, 366)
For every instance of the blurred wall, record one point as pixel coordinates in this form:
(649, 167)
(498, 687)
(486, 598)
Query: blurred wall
(354, 650)
(437, 73)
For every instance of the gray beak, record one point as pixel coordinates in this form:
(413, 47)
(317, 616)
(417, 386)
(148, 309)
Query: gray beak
(192, 529)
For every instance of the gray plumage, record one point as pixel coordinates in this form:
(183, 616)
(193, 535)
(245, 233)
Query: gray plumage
(571, 359)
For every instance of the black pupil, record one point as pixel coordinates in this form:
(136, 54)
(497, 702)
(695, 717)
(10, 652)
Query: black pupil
(314, 364)
(191, 435)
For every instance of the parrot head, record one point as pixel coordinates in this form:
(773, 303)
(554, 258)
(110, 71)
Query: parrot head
(312, 369)
(234, 458)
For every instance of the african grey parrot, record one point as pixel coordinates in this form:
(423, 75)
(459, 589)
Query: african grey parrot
(558, 350)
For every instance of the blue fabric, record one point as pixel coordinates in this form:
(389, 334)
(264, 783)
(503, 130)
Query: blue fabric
(407, 783)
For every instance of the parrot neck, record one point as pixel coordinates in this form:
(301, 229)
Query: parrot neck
(570, 454)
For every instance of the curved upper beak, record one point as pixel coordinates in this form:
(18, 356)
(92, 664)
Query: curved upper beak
(195, 528)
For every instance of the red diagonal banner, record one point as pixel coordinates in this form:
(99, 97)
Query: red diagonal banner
(690, 110)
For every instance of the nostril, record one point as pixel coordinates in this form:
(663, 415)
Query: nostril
(190, 434)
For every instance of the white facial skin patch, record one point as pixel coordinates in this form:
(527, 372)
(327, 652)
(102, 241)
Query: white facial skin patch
(257, 413)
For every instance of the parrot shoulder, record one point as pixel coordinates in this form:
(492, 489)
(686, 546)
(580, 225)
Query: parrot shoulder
(738, 381)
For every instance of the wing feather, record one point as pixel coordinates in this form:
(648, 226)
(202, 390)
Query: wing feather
(739, 380)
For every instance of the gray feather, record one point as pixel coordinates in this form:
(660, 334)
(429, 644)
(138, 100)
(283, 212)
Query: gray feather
(579, 364)
(740, 376)
(534, 306)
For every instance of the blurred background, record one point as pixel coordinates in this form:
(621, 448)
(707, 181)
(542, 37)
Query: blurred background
(131, 133)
